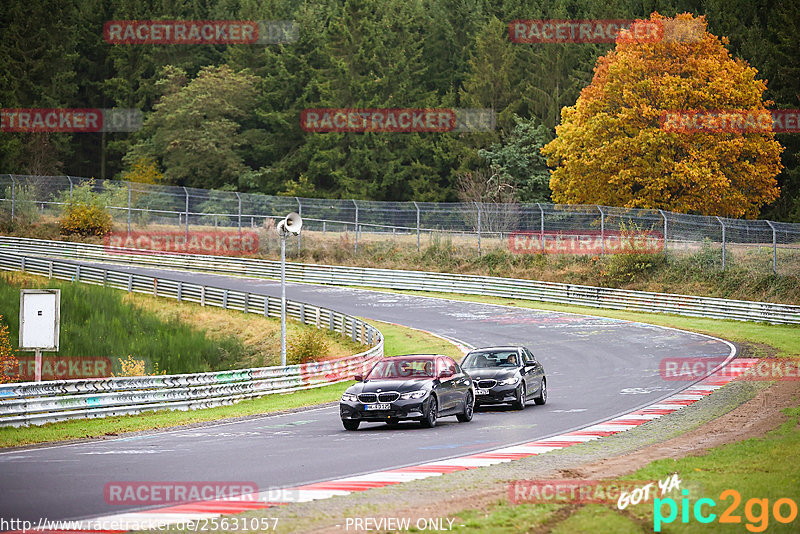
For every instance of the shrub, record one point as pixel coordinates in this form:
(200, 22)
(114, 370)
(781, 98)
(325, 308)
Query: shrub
(626, 268)
(9, 365)
(130, 366)
(85, 210)
(85, 220)
(308, 346)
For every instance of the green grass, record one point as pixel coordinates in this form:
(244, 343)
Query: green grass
(96, 321)
(505, 519)
(399, 340)
(758, 468)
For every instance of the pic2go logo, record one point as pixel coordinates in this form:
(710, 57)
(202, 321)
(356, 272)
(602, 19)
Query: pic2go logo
(756, 511)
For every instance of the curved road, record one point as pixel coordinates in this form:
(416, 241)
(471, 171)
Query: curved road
(596, 367)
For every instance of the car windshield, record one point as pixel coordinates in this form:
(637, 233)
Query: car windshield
(402, 368)
(485, 360)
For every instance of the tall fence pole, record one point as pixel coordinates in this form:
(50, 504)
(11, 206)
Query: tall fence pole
(602, 230)
(13, 195)
(356, 205)
(129, 208)
(541, 227)
(479, 227)
(417, 208)
(300, 234)
(186, 232)
(665, 230)
(723, 242)
(774, 248)
(239, 198)
(283, 298)
(70, 187)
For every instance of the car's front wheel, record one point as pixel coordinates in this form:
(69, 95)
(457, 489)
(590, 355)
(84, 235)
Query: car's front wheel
(433, 411)
(469, 409)
(519, 403)
(350, 424)
(542, 398)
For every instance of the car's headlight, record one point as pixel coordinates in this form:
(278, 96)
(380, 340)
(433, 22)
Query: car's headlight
(348, 397)
(509, 381)
(413, 395)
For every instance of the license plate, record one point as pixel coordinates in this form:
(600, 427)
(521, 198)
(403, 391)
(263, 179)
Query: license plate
(370, 407)
(481, 392)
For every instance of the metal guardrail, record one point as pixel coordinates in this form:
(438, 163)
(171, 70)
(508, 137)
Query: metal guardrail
(598, 297)
(43, 402)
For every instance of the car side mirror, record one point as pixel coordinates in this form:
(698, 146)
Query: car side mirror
(446, 373)
(358, 378)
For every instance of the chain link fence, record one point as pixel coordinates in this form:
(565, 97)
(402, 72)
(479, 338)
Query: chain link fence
(349, 224)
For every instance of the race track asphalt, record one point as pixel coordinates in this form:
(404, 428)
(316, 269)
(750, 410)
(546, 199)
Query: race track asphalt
(596, 368)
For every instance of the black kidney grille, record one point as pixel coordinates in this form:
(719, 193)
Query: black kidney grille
(486, 384)
(368, 397)
(388, 397)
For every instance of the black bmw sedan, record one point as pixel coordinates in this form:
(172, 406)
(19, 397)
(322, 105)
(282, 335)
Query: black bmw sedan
(417, 387)
(506, 375)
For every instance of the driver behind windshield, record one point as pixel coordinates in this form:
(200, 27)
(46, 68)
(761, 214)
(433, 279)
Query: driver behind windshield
(488, 360)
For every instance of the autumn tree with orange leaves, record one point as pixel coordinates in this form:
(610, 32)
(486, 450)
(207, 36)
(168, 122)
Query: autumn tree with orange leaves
(610, 148)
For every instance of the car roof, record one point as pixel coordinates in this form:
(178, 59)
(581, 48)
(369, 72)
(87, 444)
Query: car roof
(417, 356)
(491, 349)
